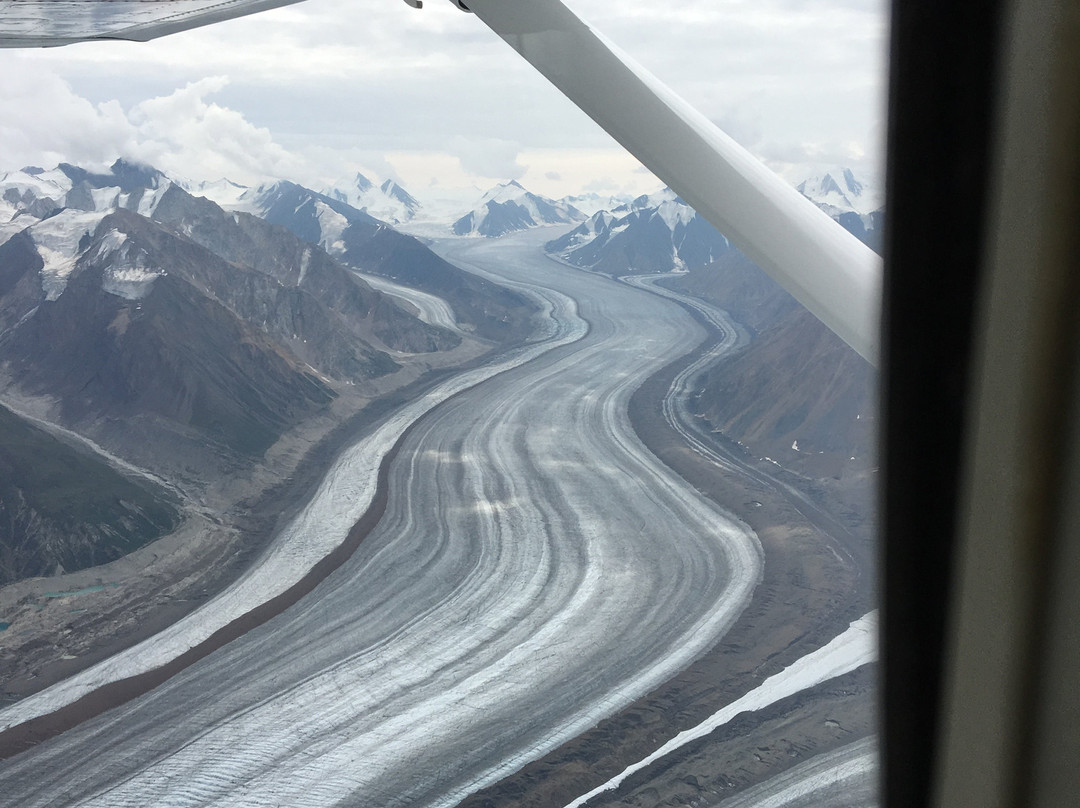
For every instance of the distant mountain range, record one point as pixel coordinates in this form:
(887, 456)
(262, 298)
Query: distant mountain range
(661, 233)
(590, 203)
(508, 207)
(388, 203)
(359, 240)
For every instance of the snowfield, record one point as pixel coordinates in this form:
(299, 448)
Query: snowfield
(854, 648)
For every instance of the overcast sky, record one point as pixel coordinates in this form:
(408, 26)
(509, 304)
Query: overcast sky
(319, 90)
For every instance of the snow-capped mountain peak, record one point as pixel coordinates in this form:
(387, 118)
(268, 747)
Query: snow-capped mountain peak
(508, 207)
(362, 183)
(840, 191)
(37, 193)
(350, 190)
(394, 191)
(388, 202)
(590, 203)
(505, 192)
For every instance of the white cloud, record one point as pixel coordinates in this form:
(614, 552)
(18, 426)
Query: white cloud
(435, 169)
(488, 157)
(43, 122)
(606, 171)
(186, 134)
(318, 90)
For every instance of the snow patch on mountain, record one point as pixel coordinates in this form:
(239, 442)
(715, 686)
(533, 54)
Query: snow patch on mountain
(106, 198)
(129, 273)
(148, 202)
(332, 226)
(33, 193)
(28, 195)
(24, 190)
(110, 243)
(16, 225)
(142, 201)
(60, 240)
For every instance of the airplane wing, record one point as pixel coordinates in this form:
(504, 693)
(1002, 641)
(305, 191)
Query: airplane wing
(48, 23)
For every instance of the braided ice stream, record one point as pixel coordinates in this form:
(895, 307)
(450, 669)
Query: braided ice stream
(536, 569)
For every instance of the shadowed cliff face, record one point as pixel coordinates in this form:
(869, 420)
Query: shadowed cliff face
(354, 237)
(798, 395)
(64, 509)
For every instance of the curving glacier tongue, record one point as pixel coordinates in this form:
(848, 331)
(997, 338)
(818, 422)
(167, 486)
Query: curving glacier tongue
(536, 569)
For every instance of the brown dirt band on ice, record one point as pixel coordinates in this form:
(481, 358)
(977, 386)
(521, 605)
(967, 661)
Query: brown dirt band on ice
(22, 736)
(296, 491)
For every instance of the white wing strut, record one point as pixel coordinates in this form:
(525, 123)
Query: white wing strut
(827, 269)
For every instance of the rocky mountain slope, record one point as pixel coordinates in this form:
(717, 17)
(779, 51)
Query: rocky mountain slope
(185, 338)
(796, 394)
(176, 309)
(509, 207)
(62, 508)
(125, 338)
